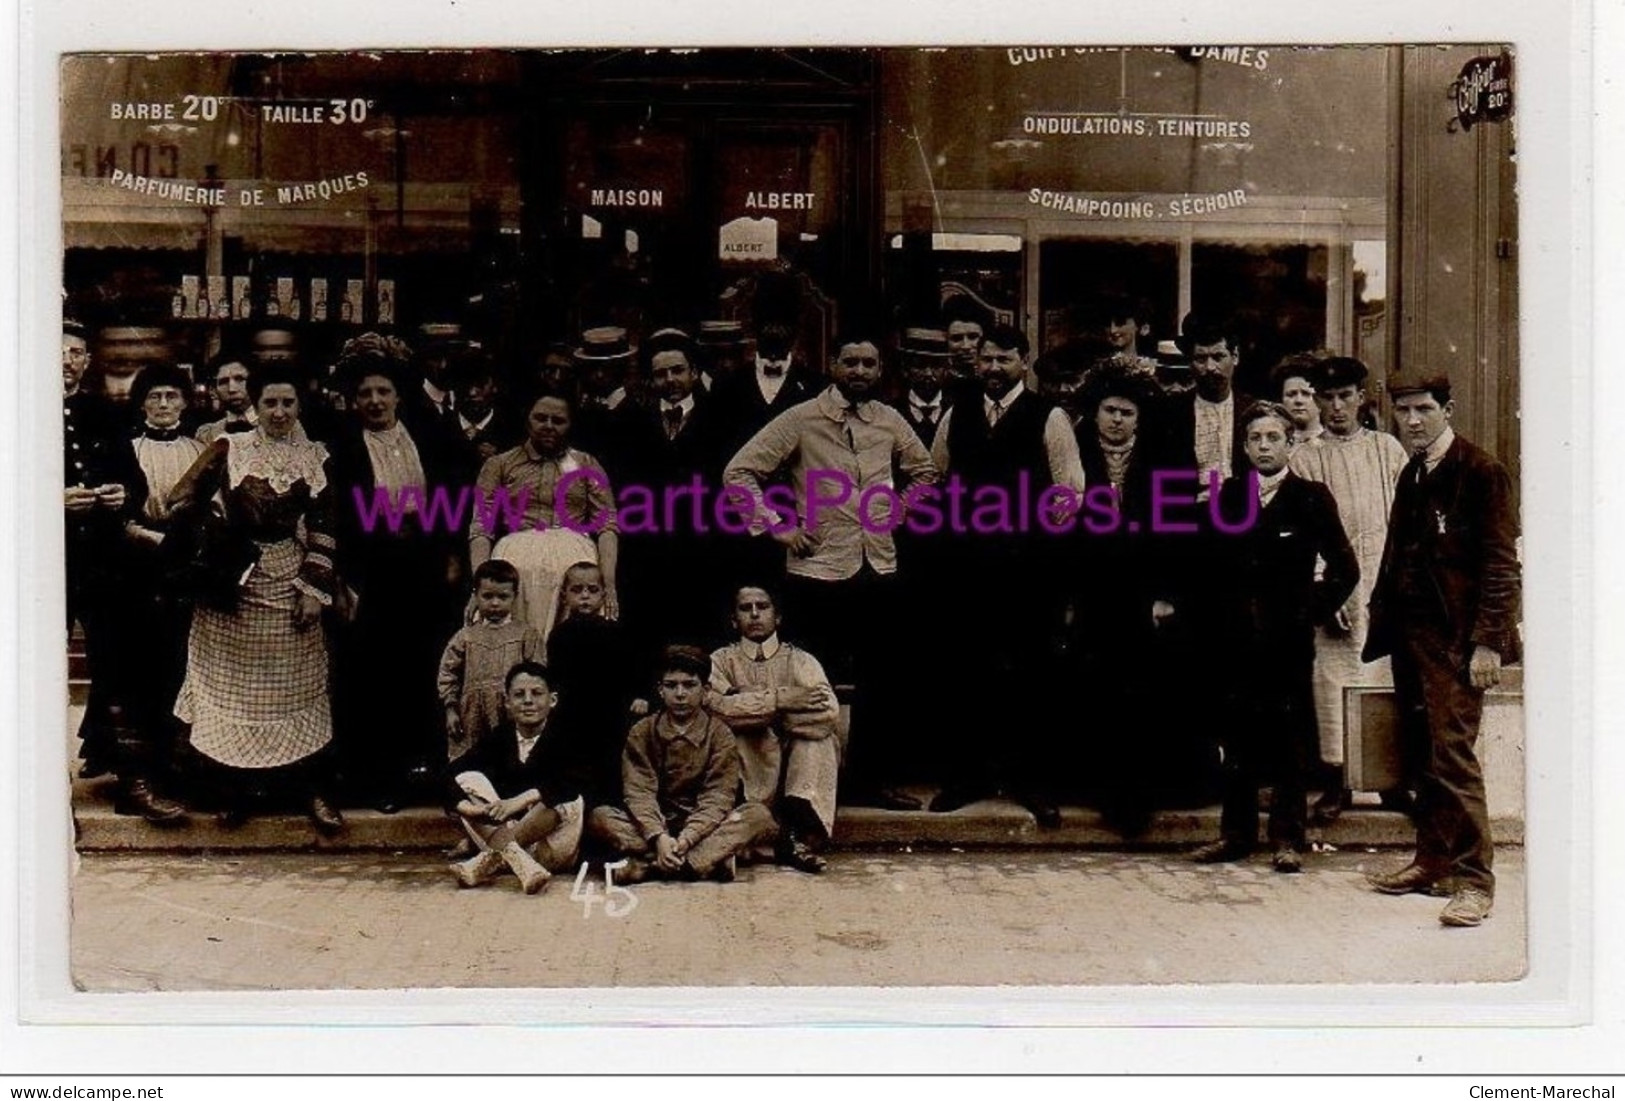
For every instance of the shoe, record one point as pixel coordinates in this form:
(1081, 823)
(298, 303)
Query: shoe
(953, 798)
(1466, 908)
(326, 816)
(796, 853)
(726, 872)
(1127, 822)
(1328, 807)
(477, 870)
(1287, 860)
(531, 875)
(92, 768)
(635, 871)
(138, 798)
(387, 804)
(1399, 799)
(232, 818)
(1411, 879)
(563, 845)
(1047, 814)
(884, 799)
(1223, 851)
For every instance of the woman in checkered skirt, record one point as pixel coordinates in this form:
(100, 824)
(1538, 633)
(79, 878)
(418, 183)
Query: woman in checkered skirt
(256, 688)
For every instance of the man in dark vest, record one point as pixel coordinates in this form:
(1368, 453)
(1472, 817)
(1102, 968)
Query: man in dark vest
(1012, 607)
(1445, 607)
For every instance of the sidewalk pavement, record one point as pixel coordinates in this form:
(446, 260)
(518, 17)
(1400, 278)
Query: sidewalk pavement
(261, 921)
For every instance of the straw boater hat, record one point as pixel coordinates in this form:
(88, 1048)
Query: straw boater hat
(721, 334)
(927, 343)
(606, 344)
(670, 339)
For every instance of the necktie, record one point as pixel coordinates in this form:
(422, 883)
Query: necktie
(994, 412)
(760, 655)
(674, 421)
(1416, 469)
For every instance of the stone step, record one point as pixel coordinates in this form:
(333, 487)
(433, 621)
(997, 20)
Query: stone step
(989, 824)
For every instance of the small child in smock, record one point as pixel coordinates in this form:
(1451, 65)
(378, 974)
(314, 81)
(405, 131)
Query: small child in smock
(479, 656)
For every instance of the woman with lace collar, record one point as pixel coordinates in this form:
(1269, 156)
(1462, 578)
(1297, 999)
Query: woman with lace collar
(256, 687)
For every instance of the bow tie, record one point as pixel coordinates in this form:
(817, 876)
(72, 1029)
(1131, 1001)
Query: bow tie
(774, 368)
(161, 435)
(239, 426)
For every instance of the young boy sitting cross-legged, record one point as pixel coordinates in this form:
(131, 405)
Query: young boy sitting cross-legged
(682, 817)
(518, 791)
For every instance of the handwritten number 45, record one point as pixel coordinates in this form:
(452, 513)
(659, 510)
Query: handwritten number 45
(616, 900)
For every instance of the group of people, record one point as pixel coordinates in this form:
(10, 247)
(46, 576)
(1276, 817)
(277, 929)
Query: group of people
(559, 671)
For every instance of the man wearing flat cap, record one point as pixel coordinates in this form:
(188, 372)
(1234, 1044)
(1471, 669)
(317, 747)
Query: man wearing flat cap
(1445, 606)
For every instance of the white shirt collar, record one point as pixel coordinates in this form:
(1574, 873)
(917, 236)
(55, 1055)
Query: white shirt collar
(478, 425)
(1005, 402)
(917, 402)
(528, 745)
(686, 405)
(1436, 449)
(762, 362)
(440, 397)
(1269, 483)
(761, 651)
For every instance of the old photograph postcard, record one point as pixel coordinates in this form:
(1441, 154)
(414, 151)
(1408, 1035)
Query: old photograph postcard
(847, 517)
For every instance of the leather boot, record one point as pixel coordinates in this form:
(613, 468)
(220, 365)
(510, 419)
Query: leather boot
(478, 870)
(531, 875)
(138, 797)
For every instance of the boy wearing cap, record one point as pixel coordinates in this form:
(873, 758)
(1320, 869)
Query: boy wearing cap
(1445, 607)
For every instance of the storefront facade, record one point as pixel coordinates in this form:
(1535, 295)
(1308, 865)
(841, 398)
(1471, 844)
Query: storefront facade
(1324, 198)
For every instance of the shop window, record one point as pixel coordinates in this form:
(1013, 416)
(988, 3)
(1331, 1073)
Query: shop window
(1081, 281)
(1275, 295)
